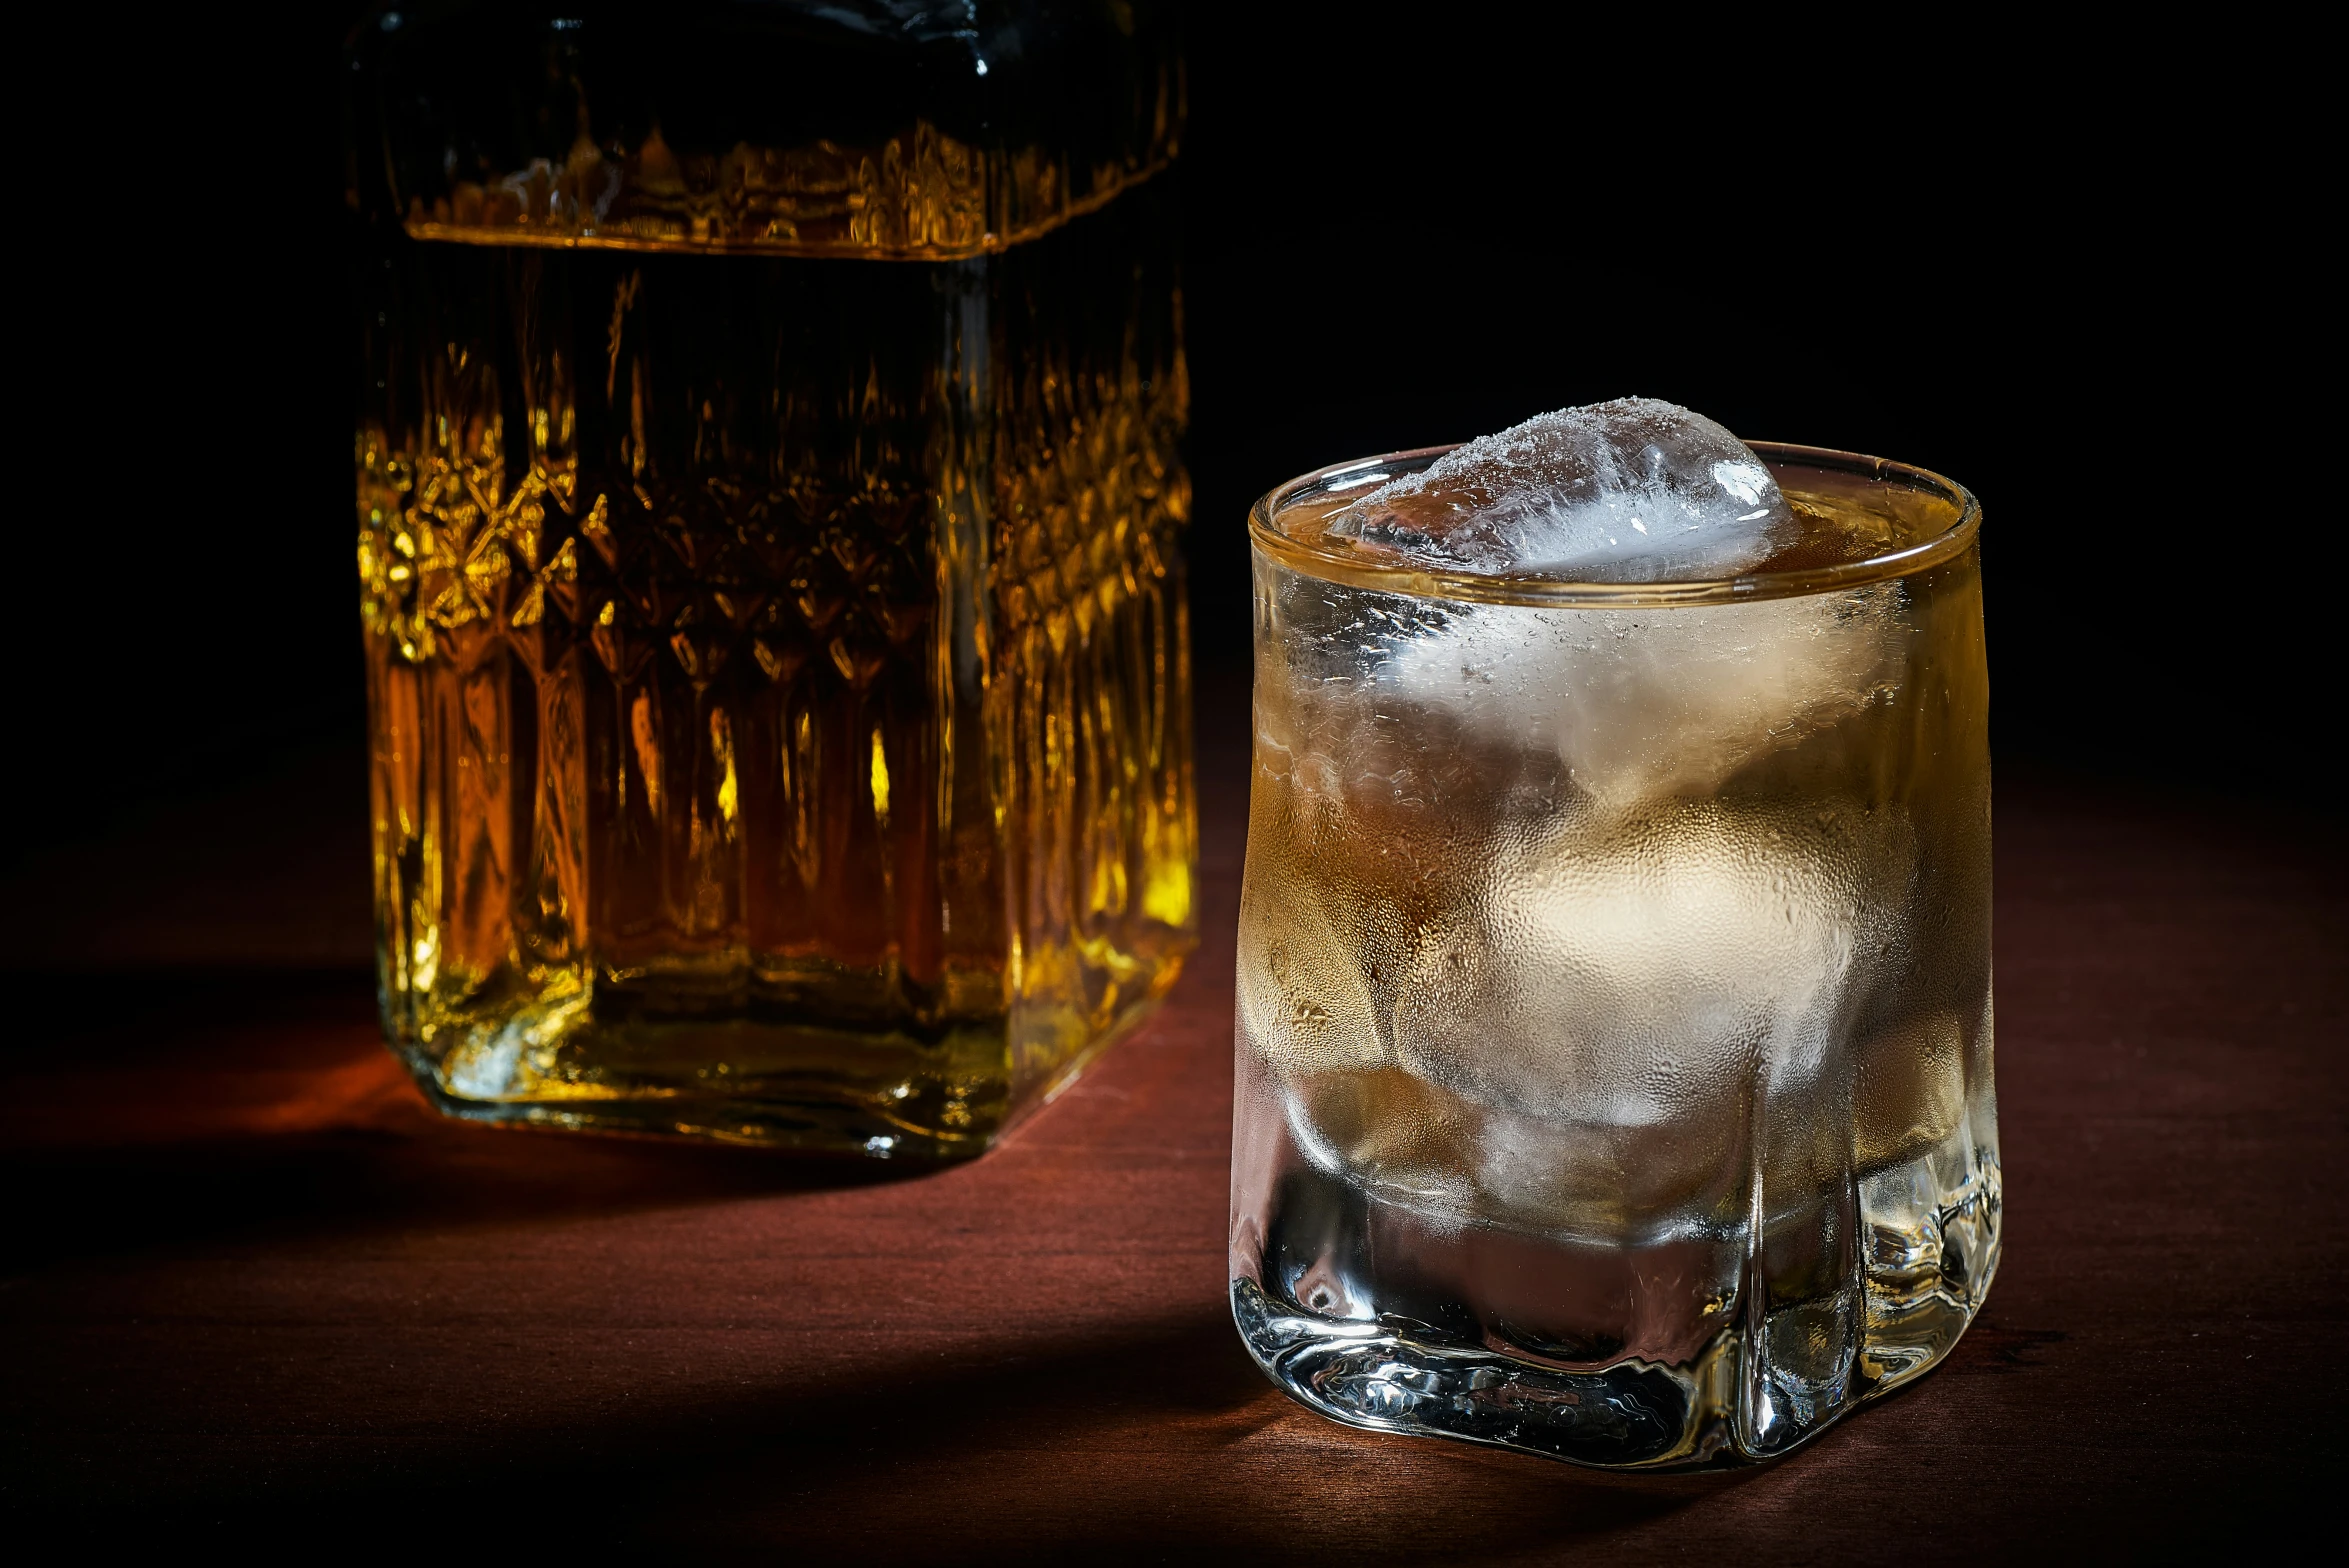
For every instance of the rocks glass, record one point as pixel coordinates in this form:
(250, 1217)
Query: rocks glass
(1614, 1017)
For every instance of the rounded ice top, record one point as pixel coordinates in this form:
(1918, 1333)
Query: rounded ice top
(1632, 490)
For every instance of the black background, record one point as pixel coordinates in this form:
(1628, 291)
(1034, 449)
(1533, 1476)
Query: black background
(2071, 272)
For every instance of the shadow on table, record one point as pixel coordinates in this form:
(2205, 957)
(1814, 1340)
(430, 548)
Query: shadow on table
(1173, 1440)
(1166, 1436)
(160, 1110)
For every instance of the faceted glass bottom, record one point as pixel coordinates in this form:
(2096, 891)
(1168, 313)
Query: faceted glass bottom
(1376, 1327)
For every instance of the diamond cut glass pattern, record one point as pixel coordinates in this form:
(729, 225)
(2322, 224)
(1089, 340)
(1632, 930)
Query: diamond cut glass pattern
(779, 678)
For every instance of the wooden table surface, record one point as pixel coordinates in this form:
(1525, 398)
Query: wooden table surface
(255, 1289)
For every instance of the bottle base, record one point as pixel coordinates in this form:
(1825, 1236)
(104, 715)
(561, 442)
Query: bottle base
(881, 1094)
(808, 1124)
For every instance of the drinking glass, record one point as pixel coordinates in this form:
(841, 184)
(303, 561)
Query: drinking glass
(1614, 1018)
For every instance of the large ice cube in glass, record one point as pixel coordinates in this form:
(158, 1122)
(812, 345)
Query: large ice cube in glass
(1633, 490)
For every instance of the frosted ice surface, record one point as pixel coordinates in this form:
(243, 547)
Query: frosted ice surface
(1303, 1000)
(1641, 703)
(1625, 977)
(1633, 490)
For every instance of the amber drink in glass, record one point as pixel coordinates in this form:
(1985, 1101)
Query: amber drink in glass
(1614, 1016)
(770, 503)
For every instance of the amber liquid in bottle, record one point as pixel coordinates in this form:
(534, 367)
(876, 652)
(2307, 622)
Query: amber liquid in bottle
(779, 677)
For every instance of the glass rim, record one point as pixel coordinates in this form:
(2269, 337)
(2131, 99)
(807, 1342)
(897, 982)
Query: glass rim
(1428, 583)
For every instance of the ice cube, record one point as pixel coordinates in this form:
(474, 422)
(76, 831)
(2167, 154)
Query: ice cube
(1454, 1161)
(1304, 1003)
(1633, 490)
(1644, 703)
(1641, 976)
(1910, 1088)
(1574, 1044)
(1391, 1131)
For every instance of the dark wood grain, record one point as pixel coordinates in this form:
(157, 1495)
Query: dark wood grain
(255, 1289)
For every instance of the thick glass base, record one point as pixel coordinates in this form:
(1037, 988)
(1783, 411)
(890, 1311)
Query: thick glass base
(1374, 1316)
